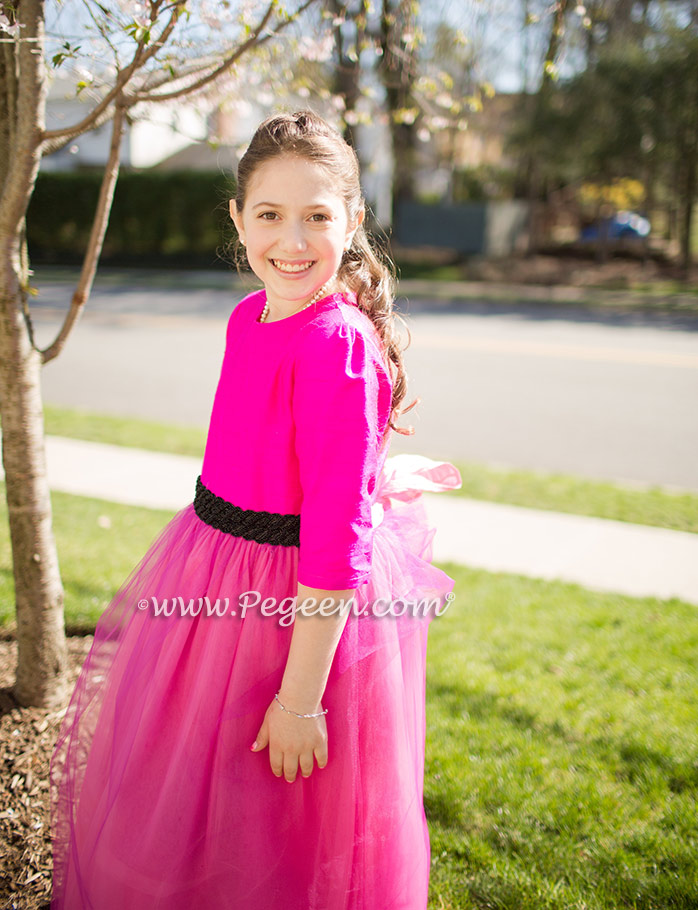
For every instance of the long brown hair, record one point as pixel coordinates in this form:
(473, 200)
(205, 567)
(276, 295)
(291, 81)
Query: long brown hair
(364, 269)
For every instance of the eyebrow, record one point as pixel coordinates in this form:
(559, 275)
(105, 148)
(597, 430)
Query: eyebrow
(278, 205)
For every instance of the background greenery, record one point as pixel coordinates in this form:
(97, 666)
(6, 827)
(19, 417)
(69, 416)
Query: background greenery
(156, 217)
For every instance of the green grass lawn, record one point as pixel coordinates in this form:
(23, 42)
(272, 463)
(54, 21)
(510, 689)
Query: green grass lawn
(562, 734)
(578, 496)
(661, 288)
(431, 271)
(98, 544)
(562, 748)
(125, 431)
(559, 492)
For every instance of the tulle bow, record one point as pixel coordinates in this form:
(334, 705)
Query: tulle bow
(405, 477)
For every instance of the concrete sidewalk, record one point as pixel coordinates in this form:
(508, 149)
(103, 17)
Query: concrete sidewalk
(415, 289)
(597, 553)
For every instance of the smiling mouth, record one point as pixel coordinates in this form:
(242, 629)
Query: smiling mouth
(292, 267)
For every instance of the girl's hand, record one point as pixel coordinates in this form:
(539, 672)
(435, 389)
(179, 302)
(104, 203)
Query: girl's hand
(292, 741)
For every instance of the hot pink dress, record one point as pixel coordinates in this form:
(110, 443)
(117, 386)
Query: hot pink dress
(156, 799)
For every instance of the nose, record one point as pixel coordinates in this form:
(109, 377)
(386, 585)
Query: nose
(293, 237)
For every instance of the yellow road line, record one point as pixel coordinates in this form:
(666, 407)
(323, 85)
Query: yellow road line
(551, 349)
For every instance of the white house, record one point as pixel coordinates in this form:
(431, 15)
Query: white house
(145, 142)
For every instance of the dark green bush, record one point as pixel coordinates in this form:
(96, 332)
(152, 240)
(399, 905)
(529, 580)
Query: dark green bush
(155, 217)
(479, 184)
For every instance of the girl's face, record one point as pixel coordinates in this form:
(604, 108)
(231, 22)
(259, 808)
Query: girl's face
(295, 228)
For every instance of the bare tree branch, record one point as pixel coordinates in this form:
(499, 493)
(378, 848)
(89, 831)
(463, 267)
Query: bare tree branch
(94, 246)
(253, 40)
(140, 57)
(55, 145)
(54, 140)
(102, 30)
(562, 8)
(49, 148)
(155, 80)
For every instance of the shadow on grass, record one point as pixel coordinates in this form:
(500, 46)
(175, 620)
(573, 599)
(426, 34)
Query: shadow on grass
(633, 760)
(440, 807)
(459, 702)
(636, 759)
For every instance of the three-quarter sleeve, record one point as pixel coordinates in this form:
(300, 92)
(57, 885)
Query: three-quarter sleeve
(341, 397)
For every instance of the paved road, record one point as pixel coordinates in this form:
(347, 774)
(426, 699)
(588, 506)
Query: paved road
(603, 395)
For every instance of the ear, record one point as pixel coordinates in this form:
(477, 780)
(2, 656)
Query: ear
(237, 220)
(354, 228)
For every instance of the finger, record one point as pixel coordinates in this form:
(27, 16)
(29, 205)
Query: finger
(306, 762)
(276, 760)
(320, 754)
(262, 738)
(290, 766)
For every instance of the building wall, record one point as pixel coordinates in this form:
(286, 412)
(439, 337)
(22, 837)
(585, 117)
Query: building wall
(495, 228)
(145, 142)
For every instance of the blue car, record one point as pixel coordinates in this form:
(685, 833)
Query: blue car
(621, 226)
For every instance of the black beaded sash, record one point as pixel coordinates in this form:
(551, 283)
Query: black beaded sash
(264, 527)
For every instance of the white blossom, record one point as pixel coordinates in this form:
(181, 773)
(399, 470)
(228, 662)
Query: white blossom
(317, 49)
(8, 27)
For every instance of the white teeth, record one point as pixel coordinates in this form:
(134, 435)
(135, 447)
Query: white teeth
(287, 267)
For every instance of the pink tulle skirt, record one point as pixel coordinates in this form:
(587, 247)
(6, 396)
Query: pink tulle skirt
(157, 800)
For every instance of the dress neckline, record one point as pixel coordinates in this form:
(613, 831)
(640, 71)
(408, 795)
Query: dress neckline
(319, 306)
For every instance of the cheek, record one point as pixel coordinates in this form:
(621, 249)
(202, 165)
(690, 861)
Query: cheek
(336, 238)
(257, 242)
(255, 251)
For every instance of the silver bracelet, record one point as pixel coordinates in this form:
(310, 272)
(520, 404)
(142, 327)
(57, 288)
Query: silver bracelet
(288, 711)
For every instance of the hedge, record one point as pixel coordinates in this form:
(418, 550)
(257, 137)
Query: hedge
(156, 216)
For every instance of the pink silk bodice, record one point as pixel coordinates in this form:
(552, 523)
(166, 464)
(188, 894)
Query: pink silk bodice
(296, 428)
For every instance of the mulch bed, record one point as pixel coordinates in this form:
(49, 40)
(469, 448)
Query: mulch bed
(27, 739)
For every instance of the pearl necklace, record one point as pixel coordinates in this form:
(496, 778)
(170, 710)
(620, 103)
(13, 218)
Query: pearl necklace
(318, 295)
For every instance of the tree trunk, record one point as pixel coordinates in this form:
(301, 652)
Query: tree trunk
(604, 211)
(690, 164)
(42, 661)
(42, 658)
(649, 207)
(404, 163)
(347, 70)
(537, 197)
(397, 69)
(687, 204)
(535, 214)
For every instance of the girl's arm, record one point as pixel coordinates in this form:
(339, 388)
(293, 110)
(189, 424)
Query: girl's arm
(313, 644)
(340, 405)
(292, 740)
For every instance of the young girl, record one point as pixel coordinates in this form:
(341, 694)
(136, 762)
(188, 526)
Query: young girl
(231, 742)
